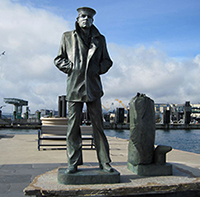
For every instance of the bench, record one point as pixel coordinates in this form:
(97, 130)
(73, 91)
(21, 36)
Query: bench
(54, 134)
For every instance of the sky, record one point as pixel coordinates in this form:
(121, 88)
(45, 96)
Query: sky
(154, 45)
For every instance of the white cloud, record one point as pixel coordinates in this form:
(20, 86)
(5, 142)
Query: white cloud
(151, 72)
(31, 39)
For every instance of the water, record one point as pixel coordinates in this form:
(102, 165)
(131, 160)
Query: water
(186, 140)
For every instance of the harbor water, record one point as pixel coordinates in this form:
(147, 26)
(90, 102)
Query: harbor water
(186, 140)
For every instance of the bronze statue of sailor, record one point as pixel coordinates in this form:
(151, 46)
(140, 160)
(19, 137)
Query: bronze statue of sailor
(83, 57)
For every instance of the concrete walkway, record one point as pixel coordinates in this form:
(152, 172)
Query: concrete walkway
(21, 162)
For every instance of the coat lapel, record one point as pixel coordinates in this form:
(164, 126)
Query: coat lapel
(74, 46)
(93, 46)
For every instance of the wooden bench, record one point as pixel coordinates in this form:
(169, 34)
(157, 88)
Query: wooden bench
(53, 133)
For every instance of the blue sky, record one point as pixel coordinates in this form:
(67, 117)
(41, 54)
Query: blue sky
(173, 25)
(154, 45)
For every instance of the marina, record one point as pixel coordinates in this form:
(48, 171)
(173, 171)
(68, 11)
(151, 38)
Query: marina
(20, 143)
(186, 140)
(88, 114)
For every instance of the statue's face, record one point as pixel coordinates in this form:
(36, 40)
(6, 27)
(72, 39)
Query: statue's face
(85, 20)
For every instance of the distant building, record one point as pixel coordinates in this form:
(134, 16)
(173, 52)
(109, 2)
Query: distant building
(47, 113)
(175, 113)
(160, 109)
(195, 112)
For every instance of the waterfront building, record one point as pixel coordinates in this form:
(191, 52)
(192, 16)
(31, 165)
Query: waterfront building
(174, 113)
(195, 113)
(160, 108)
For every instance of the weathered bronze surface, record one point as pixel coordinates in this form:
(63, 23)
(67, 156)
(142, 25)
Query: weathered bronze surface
(142, 130)
(83, 57)
(143, 159)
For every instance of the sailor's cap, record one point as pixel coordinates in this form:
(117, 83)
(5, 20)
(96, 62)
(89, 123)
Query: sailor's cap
(87, 10)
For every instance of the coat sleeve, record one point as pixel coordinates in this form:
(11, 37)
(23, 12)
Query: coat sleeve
(106, 62)
(61, 61)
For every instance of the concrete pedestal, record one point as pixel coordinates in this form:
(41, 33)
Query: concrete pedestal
(87, 176)
(151, 169)
(180, 184)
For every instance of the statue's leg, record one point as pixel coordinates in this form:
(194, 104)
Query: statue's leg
(100, 140)
(74, 141)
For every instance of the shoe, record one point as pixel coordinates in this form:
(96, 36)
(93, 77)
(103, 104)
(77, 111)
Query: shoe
(72, 169)
(106, 167)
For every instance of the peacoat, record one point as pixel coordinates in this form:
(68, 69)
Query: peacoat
(83, 65)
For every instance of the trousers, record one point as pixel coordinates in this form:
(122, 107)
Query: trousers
(74, 140)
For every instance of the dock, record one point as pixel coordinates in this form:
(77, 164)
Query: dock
(24, 124)
(174, 126)
(22, 167)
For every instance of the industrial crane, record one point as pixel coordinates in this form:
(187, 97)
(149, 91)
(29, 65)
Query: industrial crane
(104, 107)
(18, 103)
(122, 104)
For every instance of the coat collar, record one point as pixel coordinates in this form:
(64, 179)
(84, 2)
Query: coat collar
(94, 31)
(94, 40)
